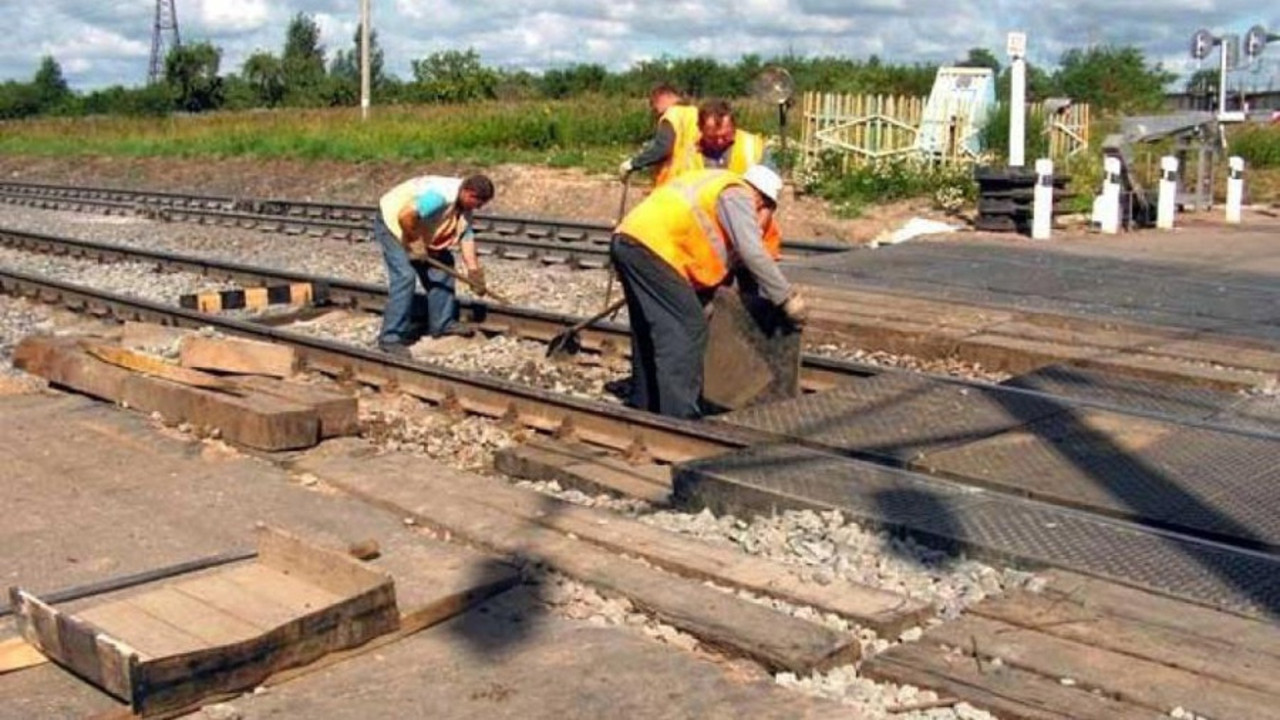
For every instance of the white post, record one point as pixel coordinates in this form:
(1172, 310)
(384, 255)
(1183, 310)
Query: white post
(1235, 188)
(364, 59)
(1222, 75)
(1168, 192)
(1042, 212)
(1111, 196)
(1017, 49)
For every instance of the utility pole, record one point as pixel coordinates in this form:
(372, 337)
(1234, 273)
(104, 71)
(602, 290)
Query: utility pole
(364, 59)
(1017, 51)
(164, 38)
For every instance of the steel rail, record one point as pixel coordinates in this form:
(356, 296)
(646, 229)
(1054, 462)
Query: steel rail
(817, 372)
(614, 426)
(344, 219)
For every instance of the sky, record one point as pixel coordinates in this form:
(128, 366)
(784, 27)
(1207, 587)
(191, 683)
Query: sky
(101, 43)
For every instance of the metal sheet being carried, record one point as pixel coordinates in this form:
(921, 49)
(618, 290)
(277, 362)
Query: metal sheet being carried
(987, 524)
(1200, 481)
(894, 417)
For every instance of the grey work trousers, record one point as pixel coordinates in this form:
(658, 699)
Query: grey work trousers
(668, 331)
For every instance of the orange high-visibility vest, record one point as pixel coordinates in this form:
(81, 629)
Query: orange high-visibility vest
(684, 152)
(772, 238)
(679, 223)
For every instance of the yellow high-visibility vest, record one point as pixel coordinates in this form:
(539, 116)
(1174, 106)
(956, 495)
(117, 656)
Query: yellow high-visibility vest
(679, 223)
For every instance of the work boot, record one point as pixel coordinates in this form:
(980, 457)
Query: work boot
(458, 328)
(396, 349)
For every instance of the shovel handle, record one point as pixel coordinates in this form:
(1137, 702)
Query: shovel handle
(459, 276)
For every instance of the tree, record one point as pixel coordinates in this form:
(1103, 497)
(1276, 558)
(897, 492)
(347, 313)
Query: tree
(1112, 79)
(191, 72)
(1040, 84)
(453, 76)
(51, 89)
(981, 58)
(302, 64)
(18, 100)
(344, 71)
(264, 73)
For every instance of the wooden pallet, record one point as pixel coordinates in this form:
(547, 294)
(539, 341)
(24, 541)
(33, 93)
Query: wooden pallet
(219, 633)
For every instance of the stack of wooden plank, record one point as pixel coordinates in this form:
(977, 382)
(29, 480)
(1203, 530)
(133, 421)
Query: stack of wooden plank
(248, 401)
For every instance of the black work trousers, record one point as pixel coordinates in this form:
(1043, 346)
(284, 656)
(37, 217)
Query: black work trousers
(668, 331)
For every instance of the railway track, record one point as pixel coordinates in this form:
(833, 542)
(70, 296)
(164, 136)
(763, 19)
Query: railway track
(818, 372)
(551, 241)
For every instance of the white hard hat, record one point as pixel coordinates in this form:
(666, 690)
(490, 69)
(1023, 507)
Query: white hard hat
(765, 180)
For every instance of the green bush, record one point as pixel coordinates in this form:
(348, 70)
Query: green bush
(1260, 147)
(852, 191)
(995, 134)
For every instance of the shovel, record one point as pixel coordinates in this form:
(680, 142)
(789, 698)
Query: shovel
(459, 276)
(568, 342)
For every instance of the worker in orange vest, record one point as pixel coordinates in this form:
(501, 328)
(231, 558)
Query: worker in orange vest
(672, 149)
(671, 252)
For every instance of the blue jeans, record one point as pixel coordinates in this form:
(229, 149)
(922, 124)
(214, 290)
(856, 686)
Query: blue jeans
(402, 282)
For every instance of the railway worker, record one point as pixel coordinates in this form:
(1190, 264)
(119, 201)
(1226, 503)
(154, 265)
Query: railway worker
(671, 252)
(673, 147)
(425, 217)
(722, 145)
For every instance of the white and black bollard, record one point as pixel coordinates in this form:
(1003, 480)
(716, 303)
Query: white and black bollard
(1110, 211)
(1168, 192)
(1235, 188)
(1042, 210)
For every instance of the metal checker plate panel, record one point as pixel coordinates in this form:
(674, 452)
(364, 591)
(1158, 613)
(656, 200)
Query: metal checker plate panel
(1202, 481)
(1009, 529)
(894, 417)
(1256, 414)
(1125, 392)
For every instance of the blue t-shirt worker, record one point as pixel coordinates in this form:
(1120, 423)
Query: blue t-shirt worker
(425, 217)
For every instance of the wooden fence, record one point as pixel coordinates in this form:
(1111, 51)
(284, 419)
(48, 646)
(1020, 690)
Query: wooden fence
(867, 128)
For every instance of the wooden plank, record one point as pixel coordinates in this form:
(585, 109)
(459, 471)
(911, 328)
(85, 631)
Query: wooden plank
(195, 617)
(18, 654)
(255, 420)
(220, 592)
(299, 596)
(1132, 679)
(155, 367)
(1212, 656)
(1005, 691)
(1150, 609)
(237, 355)
(337, 412)
(584, 470)
(335, 572)
(62, 361)
(887, 612)
(75, 644)
(151, 636)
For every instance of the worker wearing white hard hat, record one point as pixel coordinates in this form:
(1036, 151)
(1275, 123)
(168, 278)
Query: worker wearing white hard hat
(672, 251)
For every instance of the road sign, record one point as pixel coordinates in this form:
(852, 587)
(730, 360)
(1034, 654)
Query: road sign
(1017, 45)
(1201, 43)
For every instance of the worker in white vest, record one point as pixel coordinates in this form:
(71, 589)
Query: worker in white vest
(421, 218)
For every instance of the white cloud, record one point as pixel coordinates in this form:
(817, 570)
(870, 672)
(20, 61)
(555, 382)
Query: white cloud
(104, 43)
(229, 16)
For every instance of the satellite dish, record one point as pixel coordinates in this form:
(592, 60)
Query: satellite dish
(1201, 43)
(773, 85)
